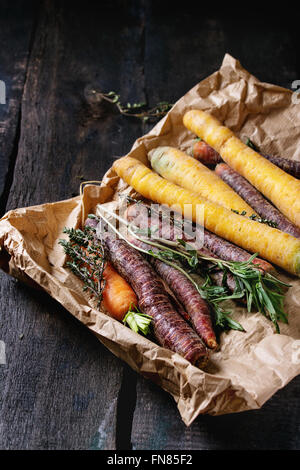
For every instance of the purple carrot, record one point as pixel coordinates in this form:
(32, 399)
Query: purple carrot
(187, 294)
(170, 329)
(140, 215)
(289, 166)
(255, 199)
(210, 157)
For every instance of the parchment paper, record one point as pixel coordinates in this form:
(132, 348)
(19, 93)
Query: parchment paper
(250, 367)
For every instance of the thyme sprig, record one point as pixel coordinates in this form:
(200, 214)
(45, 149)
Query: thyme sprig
(138, 110)
(87, 261)
(262, 291)
(255, 217)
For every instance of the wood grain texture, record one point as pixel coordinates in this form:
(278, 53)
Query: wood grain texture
(60, 388)
(264, 46)
(157, 425)
(63, 138)
(16, 30)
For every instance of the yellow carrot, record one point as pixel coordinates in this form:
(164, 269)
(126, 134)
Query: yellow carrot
(178, 167)
(279, 187)
(272, 244)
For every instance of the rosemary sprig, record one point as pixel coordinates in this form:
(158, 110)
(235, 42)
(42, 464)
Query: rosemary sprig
(137, 110)
(87, 261)
(214, 294)
(262, 291)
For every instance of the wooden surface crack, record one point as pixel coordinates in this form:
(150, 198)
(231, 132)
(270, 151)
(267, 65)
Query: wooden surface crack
(11, 168)
(125, 409)
(13, 116)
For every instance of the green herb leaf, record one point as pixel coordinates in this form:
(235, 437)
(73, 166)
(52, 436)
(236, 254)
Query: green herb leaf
(251, 144)
(255, 217)
(262, 291)
(138, 321)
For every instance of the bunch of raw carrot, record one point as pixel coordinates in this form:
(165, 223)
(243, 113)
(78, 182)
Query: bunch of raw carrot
(251, 205)
(126, 281)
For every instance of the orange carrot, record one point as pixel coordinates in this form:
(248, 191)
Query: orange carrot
(205, 153)
(118, 296)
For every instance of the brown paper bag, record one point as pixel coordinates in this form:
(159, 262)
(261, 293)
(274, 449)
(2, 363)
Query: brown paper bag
(250, 367)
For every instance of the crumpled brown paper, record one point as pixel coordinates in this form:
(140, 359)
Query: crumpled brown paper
(250, 367)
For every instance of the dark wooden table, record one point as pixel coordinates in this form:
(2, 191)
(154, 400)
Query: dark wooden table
(60, 388)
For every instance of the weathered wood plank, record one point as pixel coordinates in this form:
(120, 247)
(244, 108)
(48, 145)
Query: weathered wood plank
(63, 138)
(184, 47)
(181, 48)
(157, 424)
(265, 45)
(60, 386)
(16, 29)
